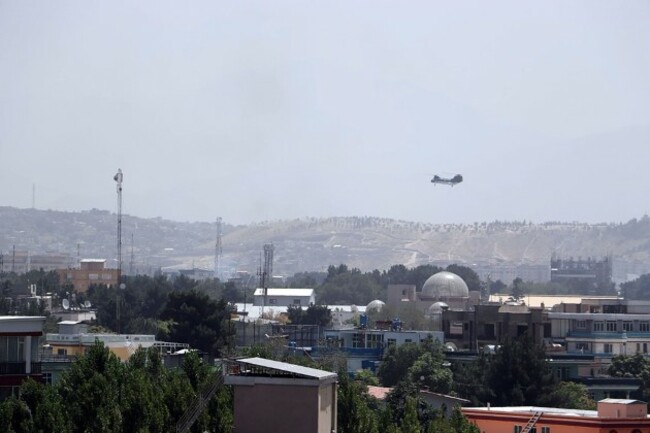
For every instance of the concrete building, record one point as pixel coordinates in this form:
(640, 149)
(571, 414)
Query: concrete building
(73, 340)
(91, 271)
(613, 415)
(364, 348)
(19, 352)
(272, 396)
(284, 297)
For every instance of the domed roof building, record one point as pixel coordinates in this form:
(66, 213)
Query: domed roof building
(444, 285)
(376, 305)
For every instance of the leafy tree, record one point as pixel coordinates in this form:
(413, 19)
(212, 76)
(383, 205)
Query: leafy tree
(637, 289)
(397, 361)
(198, 320)
(428, 371)
(91, 390)
(411, 423)
(354, 415)
(517, 292)
(468, 275)
(518, 375)
(15, 416)
(319, 315)
(47, 407)
(633, 366)
(572, 395)
(366, 377)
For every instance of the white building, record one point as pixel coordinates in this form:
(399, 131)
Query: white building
(284, 297)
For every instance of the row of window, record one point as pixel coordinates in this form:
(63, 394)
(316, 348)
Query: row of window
(609, 348)
(274, 301)
(519, 428)
(612, 326)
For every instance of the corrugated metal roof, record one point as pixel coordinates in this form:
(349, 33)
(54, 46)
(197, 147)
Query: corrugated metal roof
(289, 368)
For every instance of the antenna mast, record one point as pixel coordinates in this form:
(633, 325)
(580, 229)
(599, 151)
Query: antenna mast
(131, 263)
(118, 178)
(217, 249)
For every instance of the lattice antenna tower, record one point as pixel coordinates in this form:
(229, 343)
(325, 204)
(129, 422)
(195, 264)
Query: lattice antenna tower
(268, 263)
(217, 248)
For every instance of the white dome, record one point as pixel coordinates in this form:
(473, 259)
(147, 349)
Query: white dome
(375, 305)
(437, 308)
(445, 285)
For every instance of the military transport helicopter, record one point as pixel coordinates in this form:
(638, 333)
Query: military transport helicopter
(447, 181)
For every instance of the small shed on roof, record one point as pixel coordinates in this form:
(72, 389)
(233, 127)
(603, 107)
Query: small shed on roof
(622, 408)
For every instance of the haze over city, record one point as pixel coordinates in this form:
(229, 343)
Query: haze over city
(273, 110)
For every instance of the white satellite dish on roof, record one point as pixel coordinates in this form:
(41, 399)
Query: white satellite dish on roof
(87, 304)
(65, 304)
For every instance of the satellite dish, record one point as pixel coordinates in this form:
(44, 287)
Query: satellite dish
(65, 304)
(87, 304)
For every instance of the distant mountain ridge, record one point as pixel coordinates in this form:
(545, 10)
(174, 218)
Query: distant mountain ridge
(309, 244)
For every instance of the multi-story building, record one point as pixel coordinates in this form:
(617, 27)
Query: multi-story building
(364, 348)
(91, 271)
(613, 416)
(587, 274)
(19, 352)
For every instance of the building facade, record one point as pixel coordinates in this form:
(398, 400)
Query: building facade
(19, 352)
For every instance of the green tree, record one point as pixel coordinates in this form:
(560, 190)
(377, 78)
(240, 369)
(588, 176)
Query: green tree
(468, 275)
(518, 375)
(92, 390)
(15, 416)
(411, 423)
(198, 320)
(428, 371)
(397, 361)
(572, 395)
(46, 406)
(633, 366)
(354, 415)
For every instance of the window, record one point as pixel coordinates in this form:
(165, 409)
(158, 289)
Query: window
(62, 352)
(599, 326)
(645, 347)
(582, 347)
(296, 302)
(273, 301)
(93, 276)
(608, 347)
(391, 342)
(408, 340)
(628, 326)
(47, 378)
(546, 430)
(107, 277)
(488, 331)
(644, 326)
(517, 429)
(358, 341)
(611, 326)
(375, 341)
(581, 324)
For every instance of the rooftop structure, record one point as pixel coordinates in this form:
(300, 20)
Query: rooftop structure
(19, 355)
(283, 297)
(277, 396)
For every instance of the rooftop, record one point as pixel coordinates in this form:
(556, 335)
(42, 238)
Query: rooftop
(284, 292)
(269, 368)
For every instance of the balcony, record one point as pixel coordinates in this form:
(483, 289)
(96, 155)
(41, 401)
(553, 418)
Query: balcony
(18, 368)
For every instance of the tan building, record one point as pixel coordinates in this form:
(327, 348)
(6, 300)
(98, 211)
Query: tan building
(272, 396)
(91, 271)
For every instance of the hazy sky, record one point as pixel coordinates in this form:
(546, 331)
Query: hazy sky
(265, 110)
